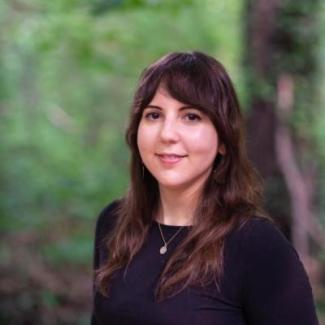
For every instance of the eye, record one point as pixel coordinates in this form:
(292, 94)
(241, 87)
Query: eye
(193, 117)
(152, 116)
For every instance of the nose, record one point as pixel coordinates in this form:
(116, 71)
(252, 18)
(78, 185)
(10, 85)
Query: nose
(169, 131)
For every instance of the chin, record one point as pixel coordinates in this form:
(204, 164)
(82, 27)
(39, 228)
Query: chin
(172, 184)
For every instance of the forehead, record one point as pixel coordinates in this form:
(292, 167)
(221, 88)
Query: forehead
(164, 100)
(162, 95)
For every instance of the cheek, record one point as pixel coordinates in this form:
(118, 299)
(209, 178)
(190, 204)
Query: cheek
(205, 141)
(140, 138)
(143, 138)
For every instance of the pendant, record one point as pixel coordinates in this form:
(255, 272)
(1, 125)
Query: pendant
(163, 249)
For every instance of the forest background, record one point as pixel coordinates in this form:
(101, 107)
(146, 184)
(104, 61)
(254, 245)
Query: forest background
(68, 70)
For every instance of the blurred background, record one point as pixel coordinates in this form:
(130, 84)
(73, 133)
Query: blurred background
(68, 70)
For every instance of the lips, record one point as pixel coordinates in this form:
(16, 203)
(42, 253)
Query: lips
(170, 158)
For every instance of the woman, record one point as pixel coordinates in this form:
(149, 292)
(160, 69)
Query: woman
(189, 243)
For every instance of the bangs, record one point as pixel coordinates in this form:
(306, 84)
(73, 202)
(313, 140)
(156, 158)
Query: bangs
(190, 83)
(187, 79)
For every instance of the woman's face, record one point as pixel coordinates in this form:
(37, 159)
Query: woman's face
(177, 143)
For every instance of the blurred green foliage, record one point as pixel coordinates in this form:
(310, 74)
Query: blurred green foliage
(68, 76)
(68, 70)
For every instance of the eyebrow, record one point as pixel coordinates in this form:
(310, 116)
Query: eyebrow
(181, 108)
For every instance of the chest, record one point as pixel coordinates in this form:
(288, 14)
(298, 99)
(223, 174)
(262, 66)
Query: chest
(132, 296)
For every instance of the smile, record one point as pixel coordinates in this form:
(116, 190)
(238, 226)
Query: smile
(170, 159)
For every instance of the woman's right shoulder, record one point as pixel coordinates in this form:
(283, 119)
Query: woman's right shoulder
(107, 218)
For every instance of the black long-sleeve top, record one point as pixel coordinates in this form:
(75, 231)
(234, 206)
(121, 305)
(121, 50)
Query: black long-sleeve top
(264, 282)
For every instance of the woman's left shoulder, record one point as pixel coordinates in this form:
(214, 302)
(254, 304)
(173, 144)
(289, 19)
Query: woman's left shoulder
(260, 234)
(258, 223)
(259, 247)
(268, 259)
(275, 288)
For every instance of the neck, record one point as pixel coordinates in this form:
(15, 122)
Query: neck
(177, 207)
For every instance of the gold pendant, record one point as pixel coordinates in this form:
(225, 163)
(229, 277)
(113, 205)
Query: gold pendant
(163, 249)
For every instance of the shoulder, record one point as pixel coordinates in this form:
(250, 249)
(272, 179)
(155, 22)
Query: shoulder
(255, 225)
(261, 243)
(260, 233)
(104, 225)
(107, 219)
(269, 261)
(260, 251)
(258, 243)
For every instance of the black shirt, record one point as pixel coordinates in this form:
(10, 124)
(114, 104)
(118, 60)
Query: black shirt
(264, 282)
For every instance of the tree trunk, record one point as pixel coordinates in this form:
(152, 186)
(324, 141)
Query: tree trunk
(278, 54)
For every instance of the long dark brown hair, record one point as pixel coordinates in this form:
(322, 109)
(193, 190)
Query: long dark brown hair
(231, 195)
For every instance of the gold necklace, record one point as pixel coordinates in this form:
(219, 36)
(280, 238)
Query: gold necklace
(163, 249)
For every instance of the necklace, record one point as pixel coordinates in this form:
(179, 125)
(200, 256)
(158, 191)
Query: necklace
(163, 249)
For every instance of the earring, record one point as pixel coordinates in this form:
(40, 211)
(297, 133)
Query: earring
(218, 176)
(215, 174)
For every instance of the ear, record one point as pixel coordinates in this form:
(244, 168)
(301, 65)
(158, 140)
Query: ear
(222, 149)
